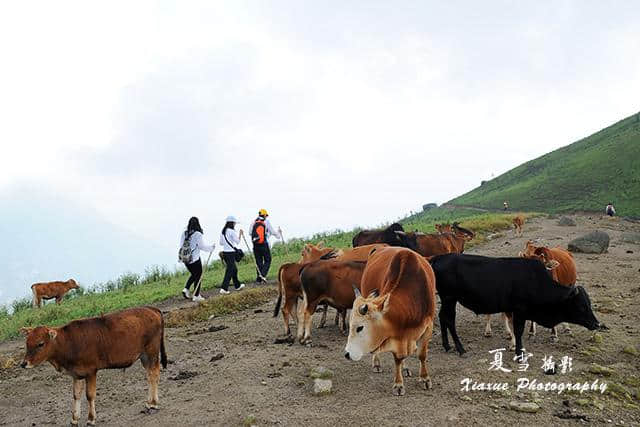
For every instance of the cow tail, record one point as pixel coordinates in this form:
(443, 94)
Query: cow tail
(276, 310)
(163, 351)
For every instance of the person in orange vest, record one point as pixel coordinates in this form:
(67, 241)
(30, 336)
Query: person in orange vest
(261, 230)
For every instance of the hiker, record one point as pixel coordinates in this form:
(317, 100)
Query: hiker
(505, 205)
(230, 240)
(191, 244)
(610, 210)
(260, 233)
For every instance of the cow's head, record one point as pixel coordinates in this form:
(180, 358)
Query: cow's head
(312, 252)
(577, 309)
(407, 240)
(72, 284)
(443, 228)
(40, 345)
(367, 325)
(540, 253)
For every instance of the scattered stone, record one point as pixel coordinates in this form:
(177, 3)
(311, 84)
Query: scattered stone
(595, 242)
(568, 414)
(258, 310)
(630, 350)
(583, 402)
(631, 237)
(183, 375)
(594, 368)
(263, 382)
(217, 356)
(211, 317)
(217, 328)
(565, 221)
(465, 398)
(289, 339)
(322, 386)
(629, 251)
(321, 372)
(494, 236)
(596, 338)
(274, 375)
(524, 406)
(249, 421)
(285, 364)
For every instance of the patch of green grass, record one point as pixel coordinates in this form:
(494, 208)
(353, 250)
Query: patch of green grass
(583, 176)
(159, 284)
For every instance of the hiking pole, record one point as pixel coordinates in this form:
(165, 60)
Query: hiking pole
(255, 261)
(284, 243)
(197, 288)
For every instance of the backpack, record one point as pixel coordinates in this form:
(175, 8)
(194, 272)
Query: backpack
(258, 232)
(185, 254)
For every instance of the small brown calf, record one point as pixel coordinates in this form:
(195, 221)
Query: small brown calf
(50, 290)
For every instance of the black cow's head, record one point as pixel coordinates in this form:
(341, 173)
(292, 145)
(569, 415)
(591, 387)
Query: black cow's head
(577, 309)
(406, 240)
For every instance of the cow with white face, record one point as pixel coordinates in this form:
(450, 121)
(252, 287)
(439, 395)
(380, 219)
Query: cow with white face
(397, 313)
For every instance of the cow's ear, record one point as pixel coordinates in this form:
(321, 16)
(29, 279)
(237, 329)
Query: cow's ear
(521, 254)
(550, 265)
(320, 245)
(385, 305)
(53, 334)
(25, 331)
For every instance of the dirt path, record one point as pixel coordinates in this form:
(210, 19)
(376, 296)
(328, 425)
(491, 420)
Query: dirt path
(270, 381)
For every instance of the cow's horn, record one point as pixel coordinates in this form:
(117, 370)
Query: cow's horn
(356, 291)
(401, 233)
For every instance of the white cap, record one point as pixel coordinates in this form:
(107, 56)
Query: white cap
(231, 218)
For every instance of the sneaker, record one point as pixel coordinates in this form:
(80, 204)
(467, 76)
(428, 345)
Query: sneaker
(197, 298)
(223, 292)
(186, 294)
(240, 287)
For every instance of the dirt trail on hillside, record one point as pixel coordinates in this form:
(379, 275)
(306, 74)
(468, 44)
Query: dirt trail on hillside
(270, 381)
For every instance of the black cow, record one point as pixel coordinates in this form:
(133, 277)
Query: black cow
(520, 286)
(388, 236)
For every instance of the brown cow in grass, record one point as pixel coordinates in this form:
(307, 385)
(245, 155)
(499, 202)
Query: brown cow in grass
(397, 313)
(518, 222)
(329, 281)
(435, 243)
(50, 290)
(112, 341)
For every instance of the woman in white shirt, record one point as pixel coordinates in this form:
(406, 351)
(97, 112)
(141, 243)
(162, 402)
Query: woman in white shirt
(193, 234)
(230, 240)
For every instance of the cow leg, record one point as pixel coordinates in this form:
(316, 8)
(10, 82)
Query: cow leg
(518, 330)
(398, 381)
(78, 385)
(290, 306)
(509, 322)
(323, 319)
(532, 329)
(375, 364)
(423, 348)
(91, 398)
(153, 374)
(308, 313)
(443, 329)
(301, 309)
(554, 334)
(487, 327)
(567, 329)
(450, 317)
(58, 299)
(336, 320)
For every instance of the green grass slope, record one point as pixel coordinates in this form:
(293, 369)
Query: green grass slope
(583, 176)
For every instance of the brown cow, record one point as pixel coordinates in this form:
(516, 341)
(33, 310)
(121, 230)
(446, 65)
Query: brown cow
(397, 314)
(113, 341)
(435, 243)
(564, 272)
(518, 222)
(443, 228)
(50, 290)
(329, 281)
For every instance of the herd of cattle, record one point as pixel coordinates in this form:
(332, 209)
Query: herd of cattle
(389, 281)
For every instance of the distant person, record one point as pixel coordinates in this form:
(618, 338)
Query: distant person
(505, 205)
(261, 230)
(610, 210)
(191, 244)
(230, 240)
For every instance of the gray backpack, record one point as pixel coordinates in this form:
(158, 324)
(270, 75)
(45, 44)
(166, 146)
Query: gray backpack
(185, 254)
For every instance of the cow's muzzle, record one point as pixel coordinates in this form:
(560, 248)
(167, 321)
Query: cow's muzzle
(23, 364)
(346, 355)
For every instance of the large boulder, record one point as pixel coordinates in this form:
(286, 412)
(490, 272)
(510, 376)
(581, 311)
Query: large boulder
(566, 222)
(631, 237)
(595, 242)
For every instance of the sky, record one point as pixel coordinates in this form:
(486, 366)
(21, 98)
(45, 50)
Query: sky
(328, 114)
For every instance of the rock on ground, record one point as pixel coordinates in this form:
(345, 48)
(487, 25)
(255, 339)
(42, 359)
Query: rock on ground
(566, 221)
(596, 242)
(321, 386)
(631, 237)
(524, 406)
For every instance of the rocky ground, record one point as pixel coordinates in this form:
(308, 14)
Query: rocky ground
(237, 375)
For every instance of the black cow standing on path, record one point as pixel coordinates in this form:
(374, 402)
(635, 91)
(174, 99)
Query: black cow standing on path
(520, 286)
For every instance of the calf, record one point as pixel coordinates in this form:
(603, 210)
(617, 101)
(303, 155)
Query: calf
(397, 313)
(518, 222)
(50, 290)
(328, 281)
(113, 341)
(520, 286)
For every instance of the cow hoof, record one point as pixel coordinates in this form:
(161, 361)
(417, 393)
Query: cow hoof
(447, 348)
(73, 423)
(377, 369)
(398, 390)
(488, 334)
(406, 372)
(151, 406)
(91, 423)
(426, 383)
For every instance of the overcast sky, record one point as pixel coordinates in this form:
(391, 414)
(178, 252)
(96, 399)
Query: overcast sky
(328, 114)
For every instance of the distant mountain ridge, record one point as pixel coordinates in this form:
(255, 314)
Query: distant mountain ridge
(583, 176)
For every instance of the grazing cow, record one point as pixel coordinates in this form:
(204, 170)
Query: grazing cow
(433, 244)
(329, 281)
(563, 270)
(388, 236)
(50, 290)
(520, 286)
(397, 313)
(112, 341)
(518, 222)
(462, 232)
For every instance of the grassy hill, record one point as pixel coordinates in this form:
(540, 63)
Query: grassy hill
(583, 176)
